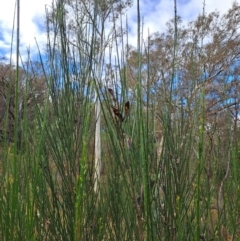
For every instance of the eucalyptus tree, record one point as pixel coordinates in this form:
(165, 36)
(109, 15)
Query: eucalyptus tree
(32, 92)
(81, 35)
(204, 100)
(207, 59)
(99, 20)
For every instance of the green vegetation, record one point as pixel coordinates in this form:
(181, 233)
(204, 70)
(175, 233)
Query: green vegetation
(104, 141)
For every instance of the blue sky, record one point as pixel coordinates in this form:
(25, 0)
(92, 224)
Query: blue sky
(154, 12)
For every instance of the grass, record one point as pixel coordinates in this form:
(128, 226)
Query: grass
(151, 188)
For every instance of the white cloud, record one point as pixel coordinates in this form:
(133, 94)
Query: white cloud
(31, 14)
(155, 14)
